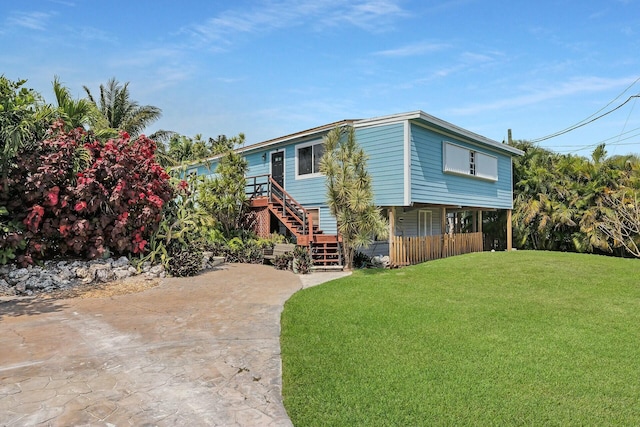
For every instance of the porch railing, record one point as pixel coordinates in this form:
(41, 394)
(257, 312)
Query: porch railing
(265, 186)
(414, 250)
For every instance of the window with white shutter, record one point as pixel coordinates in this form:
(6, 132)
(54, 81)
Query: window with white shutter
(459, 160)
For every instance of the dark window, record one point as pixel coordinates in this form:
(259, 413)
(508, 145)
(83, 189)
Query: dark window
(318, 151)
(309, 159)
(305, 165)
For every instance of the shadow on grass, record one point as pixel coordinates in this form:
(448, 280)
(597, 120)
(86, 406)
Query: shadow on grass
(371, 271)
(29, 307)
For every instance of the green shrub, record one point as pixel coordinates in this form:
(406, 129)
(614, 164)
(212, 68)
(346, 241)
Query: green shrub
(284, 261)
(361, 260)
(185, 263)
(302, 260)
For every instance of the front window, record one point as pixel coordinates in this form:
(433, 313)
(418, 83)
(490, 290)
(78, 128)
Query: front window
(425, 223)
(308, 159)
(459, 160)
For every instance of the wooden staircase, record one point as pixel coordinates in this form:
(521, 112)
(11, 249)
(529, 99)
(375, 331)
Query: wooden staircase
(264, 192)
(326, 252)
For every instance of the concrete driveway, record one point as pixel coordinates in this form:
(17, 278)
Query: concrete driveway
(190, 352)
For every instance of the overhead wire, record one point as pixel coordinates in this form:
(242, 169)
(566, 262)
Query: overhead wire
(625, 122)
(567, 130)
(604, 141)
(591, 118)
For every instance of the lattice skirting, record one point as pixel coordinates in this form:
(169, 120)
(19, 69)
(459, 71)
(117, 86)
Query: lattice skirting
(262, 224)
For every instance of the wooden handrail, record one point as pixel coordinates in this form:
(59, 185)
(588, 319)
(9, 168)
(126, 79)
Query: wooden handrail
(280, 198)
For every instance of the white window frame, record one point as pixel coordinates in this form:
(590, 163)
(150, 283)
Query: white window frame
(305, 145)
(425, 223)
(486, 166)
(459, 160)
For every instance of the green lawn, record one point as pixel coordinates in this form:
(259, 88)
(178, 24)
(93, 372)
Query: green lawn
(535, 338)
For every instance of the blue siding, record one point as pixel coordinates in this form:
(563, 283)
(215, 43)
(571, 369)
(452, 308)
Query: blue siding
(385, 147)
(309, 192)
(407, 222)
(429, 184)
(257, 166)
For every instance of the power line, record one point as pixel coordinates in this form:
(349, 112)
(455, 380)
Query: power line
(587, 120)
(604, 141)
(581, 124)
(626, 121)
(613, 144)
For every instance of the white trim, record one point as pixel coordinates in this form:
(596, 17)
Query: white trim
(418, 117)
(430, 223)
(297, 147)
(284, 164)
(486, 166)
(480, 141)
(407, 163)
(511, 179)
(461, 172)
(446, 126)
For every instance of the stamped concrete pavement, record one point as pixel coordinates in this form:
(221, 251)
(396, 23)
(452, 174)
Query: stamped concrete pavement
(200, 351)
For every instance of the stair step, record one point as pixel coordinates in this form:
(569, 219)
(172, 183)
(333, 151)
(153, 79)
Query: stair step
(327, 268)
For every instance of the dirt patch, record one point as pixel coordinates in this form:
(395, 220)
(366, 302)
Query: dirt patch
(130, 285)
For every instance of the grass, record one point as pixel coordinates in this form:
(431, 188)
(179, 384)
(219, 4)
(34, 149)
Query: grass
(535, 338)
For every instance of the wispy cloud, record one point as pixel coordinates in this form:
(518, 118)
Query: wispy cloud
(146, 57)
(373, 15)
(31, 20)
(415, 49)
(463, 62)
(370, 15)
(63, 2)
(574, 86)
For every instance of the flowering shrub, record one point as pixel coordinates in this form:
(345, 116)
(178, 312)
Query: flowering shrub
(78, 196)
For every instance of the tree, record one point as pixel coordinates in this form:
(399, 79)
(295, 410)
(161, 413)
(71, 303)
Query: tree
(621, 222)
(24, 119)
(75, 113)
(222, 144)
(224, 197)
(349, 192)
(120, 112)
(559, 199)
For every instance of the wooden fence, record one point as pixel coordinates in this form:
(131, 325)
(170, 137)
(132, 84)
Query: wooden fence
(414, 250)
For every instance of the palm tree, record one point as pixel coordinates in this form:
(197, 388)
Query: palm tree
(120, 112)
(75, 113)
(349, 192)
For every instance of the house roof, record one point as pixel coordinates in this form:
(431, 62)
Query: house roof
(416, 116)
(422, 117)
(297, 135)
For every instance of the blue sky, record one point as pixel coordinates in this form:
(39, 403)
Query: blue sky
(274, 67)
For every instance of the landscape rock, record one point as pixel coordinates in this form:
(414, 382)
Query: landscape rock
(381, 261)
(6, 289)
(122, 273)
(65, 274)
(21, 287)
(57, 275)
(104, 275)
(19, 274)
(120, 262)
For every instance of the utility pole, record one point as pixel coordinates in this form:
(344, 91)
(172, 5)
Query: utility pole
(509, 138)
